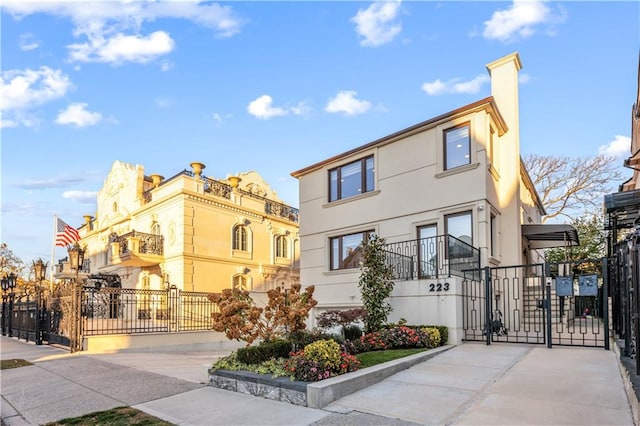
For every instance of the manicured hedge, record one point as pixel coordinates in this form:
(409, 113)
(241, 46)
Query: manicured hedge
(264, 351)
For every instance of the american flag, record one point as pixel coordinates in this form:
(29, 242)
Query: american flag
(65, 234)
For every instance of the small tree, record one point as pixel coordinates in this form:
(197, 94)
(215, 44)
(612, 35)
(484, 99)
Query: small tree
(240, 319)
(334, 318)
(375, 283)
(592, 241)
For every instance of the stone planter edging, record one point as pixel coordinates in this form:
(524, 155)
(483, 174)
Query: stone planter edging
(315, 394)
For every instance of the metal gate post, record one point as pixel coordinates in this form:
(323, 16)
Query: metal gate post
(626, 302)
(547, 306)
(487, 303)
(605, 300)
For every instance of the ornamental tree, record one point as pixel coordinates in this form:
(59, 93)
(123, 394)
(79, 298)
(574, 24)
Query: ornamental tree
(375, 283)
(239, 318)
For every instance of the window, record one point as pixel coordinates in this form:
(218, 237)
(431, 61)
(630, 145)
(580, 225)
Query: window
(240, 238)
(457, 147)
(351, 179)
(494, 235)
(428, 252)
(459, 225)
(281, 246)
(155, 228)
(345, 251)
(240, 282)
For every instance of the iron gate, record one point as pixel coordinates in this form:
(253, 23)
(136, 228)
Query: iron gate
(553, 304)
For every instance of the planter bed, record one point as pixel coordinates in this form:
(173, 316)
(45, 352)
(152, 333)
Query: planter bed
(314, 394)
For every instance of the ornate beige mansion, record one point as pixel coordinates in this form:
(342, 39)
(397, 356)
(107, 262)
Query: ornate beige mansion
(191, 231)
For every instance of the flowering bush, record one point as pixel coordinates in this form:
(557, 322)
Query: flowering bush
(320, 360)
(434, 336)
(394, 338)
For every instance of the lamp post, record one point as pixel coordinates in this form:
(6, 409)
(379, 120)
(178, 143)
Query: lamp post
(76, 259)
(40, 270)
(9, 282)
(5, 288)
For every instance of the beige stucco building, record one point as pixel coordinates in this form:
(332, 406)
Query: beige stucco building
(448, 193)
(192, 231)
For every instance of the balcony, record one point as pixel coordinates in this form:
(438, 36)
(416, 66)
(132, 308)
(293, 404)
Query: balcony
(137, 249)
(216, 188)
(430, 258)
(62, 270)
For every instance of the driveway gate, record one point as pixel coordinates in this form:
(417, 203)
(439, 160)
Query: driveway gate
(553, 304)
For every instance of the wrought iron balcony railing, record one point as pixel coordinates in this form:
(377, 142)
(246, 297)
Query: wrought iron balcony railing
(434, 257)
(148, 243)
(224, 190)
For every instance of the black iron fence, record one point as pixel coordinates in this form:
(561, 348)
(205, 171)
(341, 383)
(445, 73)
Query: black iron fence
(134, 311)
(625, 294)
(104, 311)
(433, 257)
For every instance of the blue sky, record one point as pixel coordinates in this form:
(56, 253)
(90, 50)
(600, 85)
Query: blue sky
(277, 86)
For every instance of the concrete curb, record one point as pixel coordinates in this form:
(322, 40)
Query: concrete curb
(320, 394)
(628, 385)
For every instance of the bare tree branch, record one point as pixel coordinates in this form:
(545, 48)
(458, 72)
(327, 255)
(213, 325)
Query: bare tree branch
(571, 186)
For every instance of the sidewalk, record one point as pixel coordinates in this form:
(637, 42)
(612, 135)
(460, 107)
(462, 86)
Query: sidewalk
(471, 384)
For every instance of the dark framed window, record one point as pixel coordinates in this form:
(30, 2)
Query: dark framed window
(351, 179)
(345, 250)
(494, 235)
(281, 246)
(240, 238)
(460, 226)
(457, 147)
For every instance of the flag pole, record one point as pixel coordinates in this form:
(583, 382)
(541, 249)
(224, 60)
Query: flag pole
(53, 251)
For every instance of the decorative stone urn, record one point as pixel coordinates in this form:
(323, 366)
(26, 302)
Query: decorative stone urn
(234, 181)
(156, 179)
(197, 168)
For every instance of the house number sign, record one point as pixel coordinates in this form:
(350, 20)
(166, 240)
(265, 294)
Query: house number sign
(439, 287)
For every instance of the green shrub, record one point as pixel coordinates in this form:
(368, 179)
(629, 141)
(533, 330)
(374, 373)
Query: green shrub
(433, 335)
(264, 351)
(302, 338)
(320, 360)
(352, 332)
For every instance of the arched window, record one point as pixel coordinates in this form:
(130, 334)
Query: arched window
(241, 282)
(281, 246)
(240, 238)
(155, 228)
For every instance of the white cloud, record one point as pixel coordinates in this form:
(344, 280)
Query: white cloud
(28, 42)
(518, 21)
(345, 102)
(439, 87)
(85, 197)
(377, 24)
(166, 65)
(524, 78)
(25, 89)
(113, 30)
(262, 108)
(122, 48)
(301, 108)
(620, 147)
(78, 115)
(162, 102)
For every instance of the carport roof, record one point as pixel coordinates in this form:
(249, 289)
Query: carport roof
(550, 235)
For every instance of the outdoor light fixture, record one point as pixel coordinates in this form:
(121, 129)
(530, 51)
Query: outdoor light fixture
(40, 271)
(76, 257)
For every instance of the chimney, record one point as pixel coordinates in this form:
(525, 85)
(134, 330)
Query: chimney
(504, 89)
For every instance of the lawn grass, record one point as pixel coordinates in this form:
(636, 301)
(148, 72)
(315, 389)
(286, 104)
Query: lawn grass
(13, 363)
(121, 416)
(368, 359)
